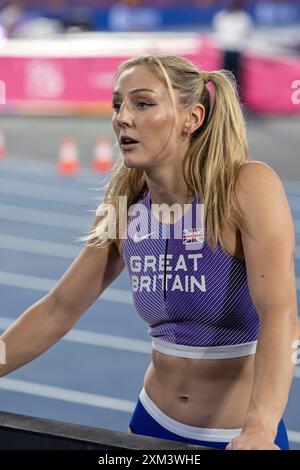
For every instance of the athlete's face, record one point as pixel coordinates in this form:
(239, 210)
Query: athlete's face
(144, 112)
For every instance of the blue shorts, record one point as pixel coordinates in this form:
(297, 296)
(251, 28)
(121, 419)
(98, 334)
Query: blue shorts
(148, 420)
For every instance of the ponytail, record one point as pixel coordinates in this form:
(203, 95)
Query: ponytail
(217, 151)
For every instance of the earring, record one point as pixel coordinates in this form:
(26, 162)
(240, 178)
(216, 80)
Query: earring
(186, 135)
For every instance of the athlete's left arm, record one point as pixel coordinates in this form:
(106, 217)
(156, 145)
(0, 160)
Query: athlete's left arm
(268, 239)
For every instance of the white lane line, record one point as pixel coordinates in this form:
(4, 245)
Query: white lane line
(30, 173)
(25, 164)
(67, 221)
(86, 176)
(64, 195)
(25, 281)
(96, 339)
(293, 436)
(83, 398)
(109, 341)
(45, 218)
(61, 250)
(65, 394)
(49, 193)
(32, 245)
(60, 219)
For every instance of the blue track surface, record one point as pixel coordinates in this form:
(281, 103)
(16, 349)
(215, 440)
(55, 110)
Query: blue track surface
(92, 379)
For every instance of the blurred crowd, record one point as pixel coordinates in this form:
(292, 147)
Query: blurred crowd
(59, 4)
(32, 18)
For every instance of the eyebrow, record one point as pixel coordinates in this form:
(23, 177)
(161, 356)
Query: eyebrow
(136, 90)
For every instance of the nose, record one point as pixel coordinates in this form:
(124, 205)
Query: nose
(124, 117)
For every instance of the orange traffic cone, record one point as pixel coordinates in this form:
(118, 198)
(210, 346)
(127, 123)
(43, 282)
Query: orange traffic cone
(103, 155)
(68, 158)
(2, 145)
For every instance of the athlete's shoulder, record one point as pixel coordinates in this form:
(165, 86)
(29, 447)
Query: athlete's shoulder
(259, 189)
(257, 176)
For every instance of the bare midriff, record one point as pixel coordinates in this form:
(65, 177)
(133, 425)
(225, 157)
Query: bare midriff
(212, 393)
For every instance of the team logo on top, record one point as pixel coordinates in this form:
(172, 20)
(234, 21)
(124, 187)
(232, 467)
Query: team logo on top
(193, 238)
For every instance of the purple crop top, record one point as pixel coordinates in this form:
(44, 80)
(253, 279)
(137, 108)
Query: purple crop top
(196, 302)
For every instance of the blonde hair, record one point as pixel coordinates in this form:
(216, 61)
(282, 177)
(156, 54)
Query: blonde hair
(217, 150)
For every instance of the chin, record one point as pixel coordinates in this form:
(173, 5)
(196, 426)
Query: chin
(132, 161)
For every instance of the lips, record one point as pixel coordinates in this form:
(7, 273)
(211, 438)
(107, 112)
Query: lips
(127, 142)
(126, 139)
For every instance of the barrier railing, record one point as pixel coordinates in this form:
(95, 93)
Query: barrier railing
(19, 432)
